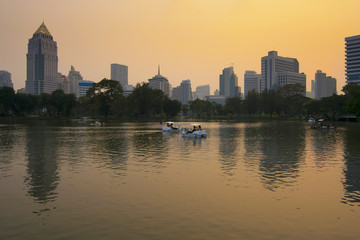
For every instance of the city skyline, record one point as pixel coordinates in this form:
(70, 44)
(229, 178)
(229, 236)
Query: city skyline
(190, 39)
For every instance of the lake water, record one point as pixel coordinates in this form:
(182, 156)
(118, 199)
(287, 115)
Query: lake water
(261, 180)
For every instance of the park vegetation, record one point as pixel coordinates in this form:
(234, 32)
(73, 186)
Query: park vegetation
(105, 99)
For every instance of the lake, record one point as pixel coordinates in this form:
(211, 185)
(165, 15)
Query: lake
(249, 180)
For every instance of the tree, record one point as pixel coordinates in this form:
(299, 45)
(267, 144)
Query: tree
(104, 94)
(251, 102)
(25, 103)
(7, 96)
(352, 93)
(171, 107)
(233, 105)
(293, 99)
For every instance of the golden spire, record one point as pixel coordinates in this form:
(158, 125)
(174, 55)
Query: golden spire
(43, 30)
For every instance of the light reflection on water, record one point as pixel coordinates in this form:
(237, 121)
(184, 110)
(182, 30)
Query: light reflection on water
(260, 180)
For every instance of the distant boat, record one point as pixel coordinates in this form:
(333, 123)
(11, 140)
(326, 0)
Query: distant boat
(194, 130)
(312, 120)
(171, 127)
(322, 124)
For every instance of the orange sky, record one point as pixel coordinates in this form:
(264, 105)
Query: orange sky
(190, 39)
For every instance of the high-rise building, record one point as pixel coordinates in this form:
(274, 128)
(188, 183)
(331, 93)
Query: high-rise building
(84, 87)
(160, 82)
(42, 62)
(5, 79)
(176, 93)
(325, 86)
(202, 91)
(352, 59)
(119, 73)
(277, 71)
(185, 91)
(229, 83)
(74, 77)
(251, 82)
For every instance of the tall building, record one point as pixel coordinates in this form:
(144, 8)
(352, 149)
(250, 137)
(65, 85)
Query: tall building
(229, 83)
(74, 77)
(176, 94)
(160, 82)
(325, 86)
(5, 79)
(83, 88)
(185, 91)
(202, 91)
(352, 59)
(42, 62)
(251, 82)
(277, 71)
(119, 73)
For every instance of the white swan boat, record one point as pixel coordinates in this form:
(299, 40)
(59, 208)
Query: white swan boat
(171, 127)
(193, 131)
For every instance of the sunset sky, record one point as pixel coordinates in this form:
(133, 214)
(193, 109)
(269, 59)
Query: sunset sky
(190, 39)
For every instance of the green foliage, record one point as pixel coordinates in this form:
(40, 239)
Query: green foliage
(7, 97)
(352, 92)
(171, 107)
(201, 107)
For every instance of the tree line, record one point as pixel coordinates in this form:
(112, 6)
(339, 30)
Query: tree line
(106, 99)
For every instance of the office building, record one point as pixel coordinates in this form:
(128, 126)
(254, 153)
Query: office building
(325, 86)
(74, 77)
(251, 82)
(229, 83)
(185, 92)
(119, 73)
(83, 88)
(160, 82)
(352, 59)
(202, 91)
(5, 79)
(176, 94)
(277, 71)
(42, 62)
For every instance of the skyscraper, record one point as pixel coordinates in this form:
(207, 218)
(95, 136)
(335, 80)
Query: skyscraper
(119, 73)
(325, 86)
(185, 91)
(352, 59)
(74, 77)
(160, 82)
(277, 71)
(251, 82)
(202, 91)
(229, 83)
(42, 62)
(5, 79)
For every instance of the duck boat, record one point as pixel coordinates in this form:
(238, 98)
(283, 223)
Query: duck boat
(194, 131)
(171, 127)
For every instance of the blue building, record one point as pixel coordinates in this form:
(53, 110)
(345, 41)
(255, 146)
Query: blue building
(352, 59)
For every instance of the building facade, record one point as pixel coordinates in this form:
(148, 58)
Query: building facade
(202, 91)
(176, 93)
(352, 59)
(277, 71)
(251, 82)
(74, 77)
(5, 79)
(325, 86)
(84, 87)
(185, 91)
(228, 83)
(42, 62)
(160, 82)
(119, 73)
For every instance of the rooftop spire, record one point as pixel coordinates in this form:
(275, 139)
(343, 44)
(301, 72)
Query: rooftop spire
(43, 29)
(159, 69)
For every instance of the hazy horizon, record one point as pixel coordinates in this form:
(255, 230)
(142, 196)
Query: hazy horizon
(190, 39)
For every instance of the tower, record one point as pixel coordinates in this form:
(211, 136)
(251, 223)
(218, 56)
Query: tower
(352, 60)
(42, 62)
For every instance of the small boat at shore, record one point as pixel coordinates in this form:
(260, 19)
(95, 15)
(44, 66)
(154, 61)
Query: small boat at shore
(322, 124)
(171, 127)
(194, 130)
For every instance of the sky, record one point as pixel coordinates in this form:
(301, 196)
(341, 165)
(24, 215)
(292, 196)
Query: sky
(189, 39)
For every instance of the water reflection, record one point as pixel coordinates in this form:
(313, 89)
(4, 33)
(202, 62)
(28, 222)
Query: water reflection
(42, 164)
(352, 166)
(282, 146)
(7, 140)
(228, 147)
